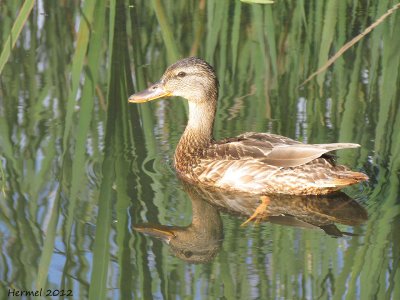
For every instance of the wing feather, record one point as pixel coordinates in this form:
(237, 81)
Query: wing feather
(300, 154)
(271, 149)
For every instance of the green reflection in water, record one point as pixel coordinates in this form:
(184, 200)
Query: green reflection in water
(82, 167)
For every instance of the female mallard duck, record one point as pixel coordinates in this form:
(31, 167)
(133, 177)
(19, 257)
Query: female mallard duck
(260, 163)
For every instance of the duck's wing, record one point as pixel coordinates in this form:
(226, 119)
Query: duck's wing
(274, 150)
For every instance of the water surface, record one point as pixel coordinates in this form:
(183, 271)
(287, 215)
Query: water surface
(82, 170)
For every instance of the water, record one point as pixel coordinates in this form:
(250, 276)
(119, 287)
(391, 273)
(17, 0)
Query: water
(85, 174)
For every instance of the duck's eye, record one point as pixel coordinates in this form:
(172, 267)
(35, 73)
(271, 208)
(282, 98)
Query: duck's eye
(181, 74)
(188, 254)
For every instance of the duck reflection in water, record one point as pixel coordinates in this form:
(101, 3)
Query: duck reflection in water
(200, 241)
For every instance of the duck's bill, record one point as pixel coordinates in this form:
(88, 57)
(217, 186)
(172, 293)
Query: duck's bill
(153, 92)
(163, 233)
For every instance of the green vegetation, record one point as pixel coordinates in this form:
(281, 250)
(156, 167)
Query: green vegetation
(15, 32)
(79, 166)
(258, 1)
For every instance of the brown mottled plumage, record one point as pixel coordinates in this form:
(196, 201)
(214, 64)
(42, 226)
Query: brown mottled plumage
(252, 162)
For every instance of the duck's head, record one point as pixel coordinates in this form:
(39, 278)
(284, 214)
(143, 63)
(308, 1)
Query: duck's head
(191, 244)
(190, 78)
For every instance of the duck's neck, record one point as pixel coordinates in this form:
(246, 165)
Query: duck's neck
(200, 123)
(197, 135)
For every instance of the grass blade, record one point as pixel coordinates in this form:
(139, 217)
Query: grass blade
(15, 32)
(77, 65)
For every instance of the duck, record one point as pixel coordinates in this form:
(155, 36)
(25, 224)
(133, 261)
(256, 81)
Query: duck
(257, 163)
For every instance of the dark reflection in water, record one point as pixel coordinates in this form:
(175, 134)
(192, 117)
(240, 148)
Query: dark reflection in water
(78, 165)
(200, 241)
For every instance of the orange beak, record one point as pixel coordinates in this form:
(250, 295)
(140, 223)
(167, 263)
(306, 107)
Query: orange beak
(164, 233)
(153, 92)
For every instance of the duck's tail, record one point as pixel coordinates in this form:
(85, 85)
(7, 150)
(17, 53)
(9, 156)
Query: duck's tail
(349, 178)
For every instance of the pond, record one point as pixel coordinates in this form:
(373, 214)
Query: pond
(89, 195)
